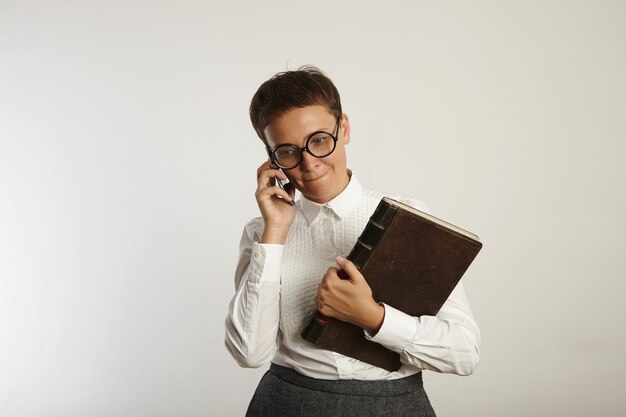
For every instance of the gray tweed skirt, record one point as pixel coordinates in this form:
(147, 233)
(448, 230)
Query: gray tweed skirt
(284, 392)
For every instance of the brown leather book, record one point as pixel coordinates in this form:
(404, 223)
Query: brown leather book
(412, 261)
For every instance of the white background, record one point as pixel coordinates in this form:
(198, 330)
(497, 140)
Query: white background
(127, 171)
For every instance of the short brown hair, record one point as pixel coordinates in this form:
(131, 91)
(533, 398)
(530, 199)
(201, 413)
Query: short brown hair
(306, 86)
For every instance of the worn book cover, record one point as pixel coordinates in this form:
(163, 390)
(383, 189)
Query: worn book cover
(412, 261)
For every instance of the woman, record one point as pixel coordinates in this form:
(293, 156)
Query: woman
(288, 267)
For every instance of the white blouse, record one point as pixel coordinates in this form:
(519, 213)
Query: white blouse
(276, 287)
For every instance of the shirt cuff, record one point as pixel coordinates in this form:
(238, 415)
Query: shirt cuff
(265, 262)
(397, 331)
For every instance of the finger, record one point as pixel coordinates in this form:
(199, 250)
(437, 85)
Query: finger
(319, 297)
(332, 274)
(349, 268)
(267, 166)
(274, 191)
(264, 169)
(318, 303)
(322, 306)
(267, 177)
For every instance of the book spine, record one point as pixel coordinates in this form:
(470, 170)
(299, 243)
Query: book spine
(359, 255)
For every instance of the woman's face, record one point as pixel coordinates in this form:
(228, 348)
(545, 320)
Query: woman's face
(318, 179)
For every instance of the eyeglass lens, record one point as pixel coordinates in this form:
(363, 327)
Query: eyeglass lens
(288, 156)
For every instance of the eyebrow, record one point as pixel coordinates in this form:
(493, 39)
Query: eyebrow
(318, 131)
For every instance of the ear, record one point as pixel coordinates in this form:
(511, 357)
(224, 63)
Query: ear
(345, 129)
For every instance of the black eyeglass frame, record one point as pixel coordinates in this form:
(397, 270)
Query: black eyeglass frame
(272, 152)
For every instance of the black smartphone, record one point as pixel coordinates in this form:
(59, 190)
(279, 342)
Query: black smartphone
(283, 184)
(287, 187)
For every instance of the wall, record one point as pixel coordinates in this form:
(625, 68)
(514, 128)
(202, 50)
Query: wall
(120, 214)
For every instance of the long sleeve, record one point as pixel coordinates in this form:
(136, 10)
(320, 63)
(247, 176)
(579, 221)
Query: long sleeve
(252, 334)
(448, 342)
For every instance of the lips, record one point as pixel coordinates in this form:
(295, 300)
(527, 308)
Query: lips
(317, 178)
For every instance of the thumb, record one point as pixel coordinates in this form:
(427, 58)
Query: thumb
(350, 269)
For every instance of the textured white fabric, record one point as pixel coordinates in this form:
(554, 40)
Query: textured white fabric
(276, 286)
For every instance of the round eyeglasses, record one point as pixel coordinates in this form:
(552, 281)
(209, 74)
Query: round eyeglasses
(318, 144)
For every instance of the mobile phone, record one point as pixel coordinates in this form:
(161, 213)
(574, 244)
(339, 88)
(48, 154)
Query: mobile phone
(286, 186)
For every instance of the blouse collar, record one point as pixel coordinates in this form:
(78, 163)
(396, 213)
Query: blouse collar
(341, 205)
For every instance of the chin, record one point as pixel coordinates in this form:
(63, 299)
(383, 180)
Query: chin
(322, 189)
(320, 195)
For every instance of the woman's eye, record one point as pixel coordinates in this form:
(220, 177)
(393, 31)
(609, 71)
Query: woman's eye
(285, 154)
(318, 140)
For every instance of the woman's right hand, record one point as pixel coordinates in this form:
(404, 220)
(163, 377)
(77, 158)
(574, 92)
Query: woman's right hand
(273, 201)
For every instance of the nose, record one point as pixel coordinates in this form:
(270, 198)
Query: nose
(308, 161)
